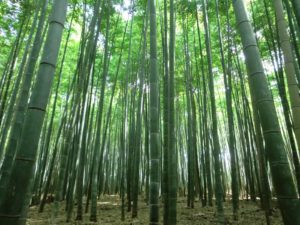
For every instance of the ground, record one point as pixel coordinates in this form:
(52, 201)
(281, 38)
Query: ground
(109, 214)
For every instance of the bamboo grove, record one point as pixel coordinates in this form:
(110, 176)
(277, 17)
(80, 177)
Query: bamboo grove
(152, 100)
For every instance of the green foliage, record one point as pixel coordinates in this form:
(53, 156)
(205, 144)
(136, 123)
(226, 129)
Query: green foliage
(121, 15)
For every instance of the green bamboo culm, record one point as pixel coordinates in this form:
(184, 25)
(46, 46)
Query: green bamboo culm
(21, 103)
(154, 120)
(290, 71)
(296, 8)
(227, 77)
(22, 170)
(281, 173)
(172, 155)
(215, 137)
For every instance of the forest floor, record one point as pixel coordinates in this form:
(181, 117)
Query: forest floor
(109, 214)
